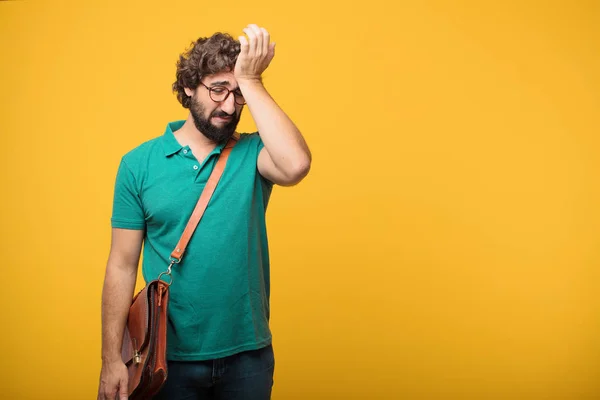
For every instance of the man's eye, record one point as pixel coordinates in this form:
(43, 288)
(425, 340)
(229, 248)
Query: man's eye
(218, 90)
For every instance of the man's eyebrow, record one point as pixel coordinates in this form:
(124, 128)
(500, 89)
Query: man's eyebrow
(220, 83)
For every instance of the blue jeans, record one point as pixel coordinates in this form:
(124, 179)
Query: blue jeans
(243, 376)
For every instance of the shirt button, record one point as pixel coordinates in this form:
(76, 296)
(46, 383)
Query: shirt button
(195, 167)
(185, 152)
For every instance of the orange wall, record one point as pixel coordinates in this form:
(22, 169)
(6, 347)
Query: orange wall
(444, 246)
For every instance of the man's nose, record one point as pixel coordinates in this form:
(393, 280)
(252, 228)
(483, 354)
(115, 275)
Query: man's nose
(228, 104)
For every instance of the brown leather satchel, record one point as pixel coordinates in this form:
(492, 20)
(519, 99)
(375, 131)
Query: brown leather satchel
(145, 337)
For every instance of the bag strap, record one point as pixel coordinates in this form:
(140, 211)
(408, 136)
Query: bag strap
(201, 205)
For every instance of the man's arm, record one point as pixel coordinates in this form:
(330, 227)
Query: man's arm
(286, 158)
(117, 293)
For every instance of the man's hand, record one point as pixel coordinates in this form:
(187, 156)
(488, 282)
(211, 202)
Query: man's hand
(113, 381)
(255, 55)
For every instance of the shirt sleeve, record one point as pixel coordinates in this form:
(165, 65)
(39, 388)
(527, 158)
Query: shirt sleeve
(128, 212)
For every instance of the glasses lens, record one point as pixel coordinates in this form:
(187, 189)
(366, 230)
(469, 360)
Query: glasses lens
(239, 99)
(218, 93)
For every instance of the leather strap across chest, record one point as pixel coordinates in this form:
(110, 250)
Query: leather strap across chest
(207, 193)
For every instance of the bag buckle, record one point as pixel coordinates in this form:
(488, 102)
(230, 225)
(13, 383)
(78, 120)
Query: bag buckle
(137, 357)
(168, 271)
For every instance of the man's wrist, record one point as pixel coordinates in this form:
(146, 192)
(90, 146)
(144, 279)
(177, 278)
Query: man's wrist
(249, 81)
(111, 358)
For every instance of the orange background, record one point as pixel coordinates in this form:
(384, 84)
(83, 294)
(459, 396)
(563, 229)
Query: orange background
(444, 246)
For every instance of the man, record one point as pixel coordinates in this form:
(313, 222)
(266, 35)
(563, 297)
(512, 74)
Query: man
(219, 341)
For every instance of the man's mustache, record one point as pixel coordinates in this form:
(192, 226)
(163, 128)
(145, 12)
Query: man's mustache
(222, 114)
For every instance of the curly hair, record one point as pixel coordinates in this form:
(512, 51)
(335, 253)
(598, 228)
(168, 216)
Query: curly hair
(207, 55)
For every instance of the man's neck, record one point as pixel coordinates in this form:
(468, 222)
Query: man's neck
(189, 135)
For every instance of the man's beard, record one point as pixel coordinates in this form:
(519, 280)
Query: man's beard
(217, 134)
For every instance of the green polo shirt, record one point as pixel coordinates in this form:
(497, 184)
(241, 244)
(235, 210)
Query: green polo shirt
(219, 300)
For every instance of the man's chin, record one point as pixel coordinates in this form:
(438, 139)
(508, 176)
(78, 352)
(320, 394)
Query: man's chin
(218, 126)
(217, 131)
(223, 136)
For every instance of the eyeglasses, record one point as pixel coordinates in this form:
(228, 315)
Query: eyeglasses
(221, 93)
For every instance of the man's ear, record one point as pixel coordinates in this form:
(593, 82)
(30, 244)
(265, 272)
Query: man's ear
(189, 92)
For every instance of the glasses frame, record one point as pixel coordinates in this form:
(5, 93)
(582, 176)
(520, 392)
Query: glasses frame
(235, 91)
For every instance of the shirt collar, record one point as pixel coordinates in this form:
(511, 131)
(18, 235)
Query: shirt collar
(172, 146)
